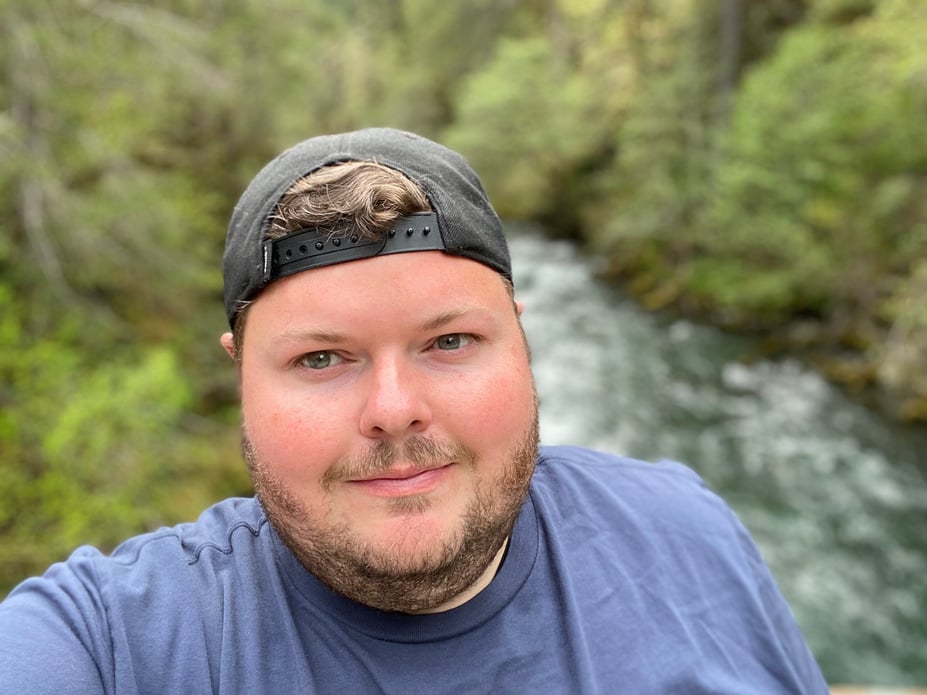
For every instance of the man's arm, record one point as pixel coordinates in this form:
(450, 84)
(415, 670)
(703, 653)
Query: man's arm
(53, 638)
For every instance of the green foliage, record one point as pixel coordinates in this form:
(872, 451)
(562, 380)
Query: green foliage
(817, 189)
(798, 197)
(91, 450)
(542, 111)
(900, 357)
(663, 143)
(541, 119)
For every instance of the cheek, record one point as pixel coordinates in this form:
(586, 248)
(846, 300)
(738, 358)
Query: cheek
(292, 437)
(496, 411)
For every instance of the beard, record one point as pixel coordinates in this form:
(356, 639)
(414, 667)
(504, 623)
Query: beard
(383, 578)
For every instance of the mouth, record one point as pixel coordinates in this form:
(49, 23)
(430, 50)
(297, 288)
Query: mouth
(407, 480)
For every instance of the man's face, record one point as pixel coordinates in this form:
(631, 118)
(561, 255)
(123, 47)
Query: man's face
(390, 423)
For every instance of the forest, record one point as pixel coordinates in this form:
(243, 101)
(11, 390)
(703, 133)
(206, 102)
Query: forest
(760, 166)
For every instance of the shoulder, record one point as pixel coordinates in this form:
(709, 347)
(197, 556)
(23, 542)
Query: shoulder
(223, 529)
(576, 473)
(662, 504)
(635, 541)
(558, 460)
(225, 533)
(165, 587)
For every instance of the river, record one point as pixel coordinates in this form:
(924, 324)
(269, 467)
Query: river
(835, 496)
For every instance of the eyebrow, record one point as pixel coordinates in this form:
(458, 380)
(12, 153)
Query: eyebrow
(327, 337)
(446, 317)
(314, 335)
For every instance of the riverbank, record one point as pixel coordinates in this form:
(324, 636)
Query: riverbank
(857, 354)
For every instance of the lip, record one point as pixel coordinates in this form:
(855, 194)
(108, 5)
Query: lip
(401, 482)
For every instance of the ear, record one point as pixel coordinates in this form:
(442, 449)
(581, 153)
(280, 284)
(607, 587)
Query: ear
(228, 342)
(519, 307)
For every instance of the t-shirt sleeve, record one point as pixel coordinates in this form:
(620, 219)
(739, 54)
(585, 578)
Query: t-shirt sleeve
(696, 593)
(761, 609)
(53, 637)
(787, 653)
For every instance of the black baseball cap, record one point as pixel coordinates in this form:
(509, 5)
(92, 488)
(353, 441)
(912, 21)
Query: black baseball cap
(463, 222)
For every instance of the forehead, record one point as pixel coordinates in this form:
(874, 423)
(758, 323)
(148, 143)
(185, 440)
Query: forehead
(399, 289)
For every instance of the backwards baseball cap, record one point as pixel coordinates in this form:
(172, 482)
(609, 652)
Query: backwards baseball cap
(463, 222)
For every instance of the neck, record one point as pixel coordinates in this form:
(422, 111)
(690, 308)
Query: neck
(481, 583)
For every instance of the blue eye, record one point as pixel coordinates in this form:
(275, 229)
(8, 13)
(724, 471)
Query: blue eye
(452, 341)
(318, 360)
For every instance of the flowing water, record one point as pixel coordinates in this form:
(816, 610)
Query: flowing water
(835, 496)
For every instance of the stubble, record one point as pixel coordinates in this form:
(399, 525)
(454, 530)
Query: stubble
(394, 581)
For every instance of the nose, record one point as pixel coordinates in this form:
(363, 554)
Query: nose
(395, 403)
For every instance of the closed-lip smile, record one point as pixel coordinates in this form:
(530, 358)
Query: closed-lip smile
(407, 480)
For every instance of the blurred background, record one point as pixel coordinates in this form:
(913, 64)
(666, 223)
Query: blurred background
(718, 214)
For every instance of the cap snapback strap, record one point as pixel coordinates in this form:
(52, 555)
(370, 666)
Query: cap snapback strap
(305, 249)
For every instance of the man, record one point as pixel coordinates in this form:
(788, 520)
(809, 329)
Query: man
(408, 536)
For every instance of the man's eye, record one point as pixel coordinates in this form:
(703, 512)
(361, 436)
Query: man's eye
(453, 341)
(318, 360)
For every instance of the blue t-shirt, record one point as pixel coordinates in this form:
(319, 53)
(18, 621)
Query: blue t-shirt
(621, 577)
